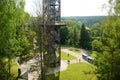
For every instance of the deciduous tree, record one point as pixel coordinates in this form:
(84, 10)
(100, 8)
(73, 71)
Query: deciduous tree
(13, 32)
(107, 61)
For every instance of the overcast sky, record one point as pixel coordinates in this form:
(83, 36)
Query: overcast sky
(74, 7)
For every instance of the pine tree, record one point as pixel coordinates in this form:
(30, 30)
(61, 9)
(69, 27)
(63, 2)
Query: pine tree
(63, 35)
(84, 41)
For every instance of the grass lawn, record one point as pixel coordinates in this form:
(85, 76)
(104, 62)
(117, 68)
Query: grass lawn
(78, 71)
(64, 56)
(74, 50)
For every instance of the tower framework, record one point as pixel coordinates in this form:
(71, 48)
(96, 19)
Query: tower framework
(51, 24)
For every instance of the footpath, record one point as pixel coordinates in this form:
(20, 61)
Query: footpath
(77, 55)
(25, 67)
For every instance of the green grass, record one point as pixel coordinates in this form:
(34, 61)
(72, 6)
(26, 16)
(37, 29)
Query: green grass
(64, 56)
(78, 71)
(74, 50)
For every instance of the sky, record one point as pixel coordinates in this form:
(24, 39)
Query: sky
(73, 7)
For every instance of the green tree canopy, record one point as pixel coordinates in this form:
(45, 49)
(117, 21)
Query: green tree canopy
(13, 33)
(63, 35)
(70, 33)
(107, 61)
(84, 41)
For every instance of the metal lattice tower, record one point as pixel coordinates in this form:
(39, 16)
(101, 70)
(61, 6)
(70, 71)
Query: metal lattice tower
(51, 11)
(51, 24)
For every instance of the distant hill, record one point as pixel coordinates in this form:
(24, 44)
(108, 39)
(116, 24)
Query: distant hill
(88, 20)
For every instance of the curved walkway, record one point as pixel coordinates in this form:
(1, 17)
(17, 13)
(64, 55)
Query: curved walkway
(25, 67)
(77, 55)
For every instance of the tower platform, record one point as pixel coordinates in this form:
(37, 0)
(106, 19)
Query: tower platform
(57, 24)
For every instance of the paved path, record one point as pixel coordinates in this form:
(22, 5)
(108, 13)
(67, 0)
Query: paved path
(63, 67)
(77, 55)
(25, 67)
(64, 64)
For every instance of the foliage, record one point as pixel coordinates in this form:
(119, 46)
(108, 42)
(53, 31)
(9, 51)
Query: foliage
(95, 31)
(84, 41)
(88, 20)
(96, 45)
(94, 54)
(75, 37)
(13, 32)
(109, 57)
(107, 61)
(3, 70)
(63, 35)
(70, 33)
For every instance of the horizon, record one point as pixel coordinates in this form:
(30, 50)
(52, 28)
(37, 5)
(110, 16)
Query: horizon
(88, 16)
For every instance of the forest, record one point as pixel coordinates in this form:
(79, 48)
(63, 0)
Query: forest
(102, 37)
(71, 34)
(21, 36)
(87, 20)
